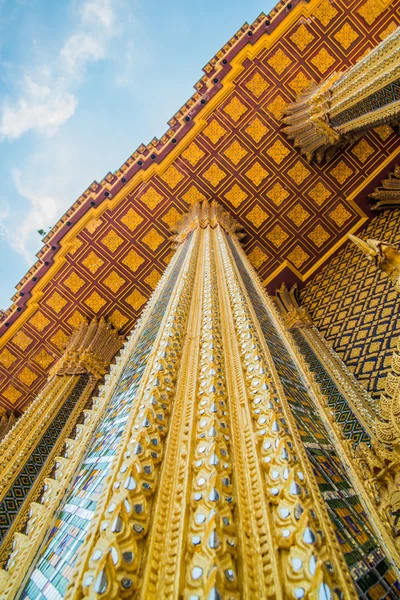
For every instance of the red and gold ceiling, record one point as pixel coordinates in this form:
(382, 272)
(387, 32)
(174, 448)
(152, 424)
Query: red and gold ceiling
(107, 253)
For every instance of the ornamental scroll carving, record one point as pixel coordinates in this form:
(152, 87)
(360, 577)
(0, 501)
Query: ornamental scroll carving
(345, 105)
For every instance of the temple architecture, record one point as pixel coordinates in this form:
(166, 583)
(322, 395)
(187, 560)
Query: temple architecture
(200, 375)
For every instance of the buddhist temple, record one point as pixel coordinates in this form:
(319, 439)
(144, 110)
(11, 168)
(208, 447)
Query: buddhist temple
(200, 375)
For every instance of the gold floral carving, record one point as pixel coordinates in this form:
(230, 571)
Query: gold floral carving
(93, 262)
(39, 321)
(74, 282)
(76, 319)
(151, 198)
(214, 175)
(193, 154)
(11, 394)
(43, 358)
(362, 151)
(277, 194)
(93, 225)
(299, 173)
(235, 109)
(136, 299)
(114, 281)
(214, 131)
(131, 219)
(112, 241)
(236, 195)
(340, 215)
(256, 130)
(257, 173)
(323, 60)
(95, 302)
(341, 172)
(302, 37)
(7, 359)
(193, 195)
(371, 10)
(257, 257)
(277, 107)
(319, 236)
(153, 278)
(56, 302)
(172, 217)
(235, 152)
(325, 12)
(257, 85)
(27, 376)
(388, 30)
(298, 215)
(74, 246)
(59, 339)
(277, 236)
(346, 36)
(278, 152)
(319, 193)
(257, 216)
(298, 256)
(117, 319)
(133, 260)
(22, 340)
(172, 177)
(298, 84)
(153, 239)
(279, 61)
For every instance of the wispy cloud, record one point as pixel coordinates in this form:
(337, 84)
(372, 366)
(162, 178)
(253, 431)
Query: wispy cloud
(48, 95)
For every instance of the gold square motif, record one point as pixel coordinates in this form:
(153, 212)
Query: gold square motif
(302, 37)
(299, 173)
(235, 109)
(12, 394)
(172, 177)
(76, 319)
(131, 219)
(256, 173)
(214, 175)
(193, 154)
(193, 195)
(298, 215)
(279, 61)
(319, 193)
(56, 302)
(112, 241)
(277, 194)
(299, 83)
(74, 246)
(214, 131)
(277, 236)
(323, 60)
(172, 217)
(153, 279)
(257, 216)
(27, 376)
(346, 36)
(235, 152)
(136, 299)
(153, 239)
(277, 107)
(371, 10)
(59, 339)
(43, 359)
(340, 215)
(256, 130)
(341, 172)
(319, 236)
(257, 85)
(363, 151)
(325, 12)
(74, 282)
(257, 257)
(7, 359)
(95, 302)
(298, 256)
(151, 198)
(278, 152)
(22, 340)
(114, 281)
(93, 262)
(117, 319)
(133, 260)
(236, 195)
(39, 321)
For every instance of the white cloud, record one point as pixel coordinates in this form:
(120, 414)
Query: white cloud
(48, 93)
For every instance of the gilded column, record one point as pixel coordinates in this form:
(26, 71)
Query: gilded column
(27, 452)
(347, 104)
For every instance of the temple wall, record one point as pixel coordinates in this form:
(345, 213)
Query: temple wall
(356, 308)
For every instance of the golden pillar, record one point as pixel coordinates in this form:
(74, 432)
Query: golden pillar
(345, 105)
(29, 450)
(210, 470)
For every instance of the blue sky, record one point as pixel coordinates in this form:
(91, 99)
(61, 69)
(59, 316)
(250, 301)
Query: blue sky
(82, 85)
